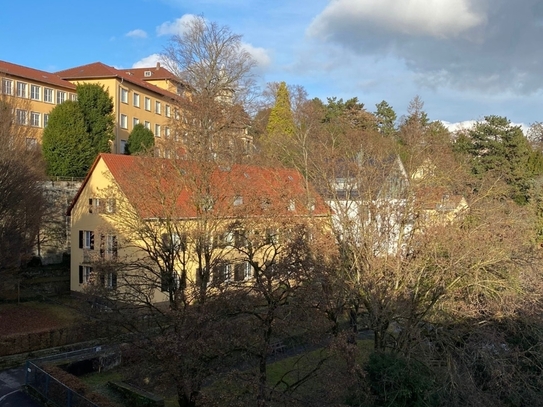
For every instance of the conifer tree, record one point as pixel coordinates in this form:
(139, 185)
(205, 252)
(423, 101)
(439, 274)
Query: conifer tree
(281, 121)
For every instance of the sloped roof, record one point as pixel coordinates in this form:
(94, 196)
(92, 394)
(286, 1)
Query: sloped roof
(156, 73)
(437, 198)
(98, 70)
(36, 75)
(159, 187)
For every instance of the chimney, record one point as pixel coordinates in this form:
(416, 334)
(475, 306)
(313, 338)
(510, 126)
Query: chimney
(157, 66)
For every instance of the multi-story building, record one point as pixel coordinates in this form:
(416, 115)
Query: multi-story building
(145, 95)
(139, 96)
(143, 221)
(33, 93)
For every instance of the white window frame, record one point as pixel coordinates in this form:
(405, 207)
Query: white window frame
(61, 97)
(35, 119)
(123, 121)
(22, 116)
(147, 104)
(22, 88)
(87, 272)
(45, 119)
(124, 95)
(35, 92)
(73, 96)
(88, 235)
(147, 125)
(168, 111)
(7, 86)
(157, 130)
(158, 107)
(48, 95)
(167, 132)
(135, 121)
(238, 200)
(136, 99)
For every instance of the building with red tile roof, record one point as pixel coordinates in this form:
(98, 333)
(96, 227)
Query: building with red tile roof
(122, 194)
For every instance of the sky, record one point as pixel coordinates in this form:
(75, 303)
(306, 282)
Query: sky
(465, 59)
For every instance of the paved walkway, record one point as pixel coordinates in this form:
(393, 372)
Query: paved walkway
(10, 389)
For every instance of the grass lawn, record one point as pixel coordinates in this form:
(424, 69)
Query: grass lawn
(30, 317)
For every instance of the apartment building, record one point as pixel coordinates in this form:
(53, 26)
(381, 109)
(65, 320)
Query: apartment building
(139, 96)
(33, 93)
(144, 95)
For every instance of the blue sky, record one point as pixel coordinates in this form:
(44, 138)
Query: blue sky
(464, 58)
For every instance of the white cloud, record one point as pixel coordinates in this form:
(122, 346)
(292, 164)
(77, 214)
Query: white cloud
(176, 27)
(260, 55)
(137, 33)
(435, 18)
(468, 124)
(148, 61)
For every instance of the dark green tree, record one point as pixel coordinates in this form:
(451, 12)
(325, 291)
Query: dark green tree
(281, 121)
(67, 148)
(97, 108)
(140, 140)
(386, 118)
(496, 146)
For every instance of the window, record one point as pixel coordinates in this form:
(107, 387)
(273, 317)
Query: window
(167, 132)
(21, 116)
(147, 104)
(157, 107)
(31, 143)
(238, 200)
(73, 96)
(109, 280)
(222, 273)
(291, 205)
(86, 239)
(108, 247)
(45, 119)
(61, 97)
(124, 121)
(48, 95)
(243, 271)
(272, 237)
(7, 87)
(135, 121)
(35, 119)
(85, 273)
(168, 111)
(123, 146)
(148, 125)
(21, 89)
(94, 205)
(35, 92)
(157, 130)
(111, 205)
(124, 95)
(136, 100)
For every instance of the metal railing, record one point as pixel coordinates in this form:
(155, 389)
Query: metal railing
(52, 390)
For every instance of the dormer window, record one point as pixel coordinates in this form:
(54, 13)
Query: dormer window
(147, 74)
(238, 200)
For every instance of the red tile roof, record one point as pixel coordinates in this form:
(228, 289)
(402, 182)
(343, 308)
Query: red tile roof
(98, 70)
(160, 187)
(34, 74)
(156, 73)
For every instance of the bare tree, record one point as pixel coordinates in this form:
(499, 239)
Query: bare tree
(220, 86)
(22, 203)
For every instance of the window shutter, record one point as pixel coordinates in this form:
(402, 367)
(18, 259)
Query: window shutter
(92, 240)
(102, 280)
(80, 274)
(102, 244)
(90, 205)
(114, 246)
(80, 239)
(114, 280)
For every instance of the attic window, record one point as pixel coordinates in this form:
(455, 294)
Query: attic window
(147, 73)
(291, 205)
(238, 200)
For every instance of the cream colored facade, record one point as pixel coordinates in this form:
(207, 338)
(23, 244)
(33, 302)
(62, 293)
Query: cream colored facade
(34, 94)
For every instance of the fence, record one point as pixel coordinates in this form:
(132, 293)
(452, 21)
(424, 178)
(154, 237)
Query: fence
(51, 390)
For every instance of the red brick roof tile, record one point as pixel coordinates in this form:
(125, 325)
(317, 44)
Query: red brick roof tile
(36, 75)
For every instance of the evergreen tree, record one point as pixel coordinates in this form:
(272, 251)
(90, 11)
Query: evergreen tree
(141, 139)
(97, 108)
(386, 118)
(67, 148)
(281, 121)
